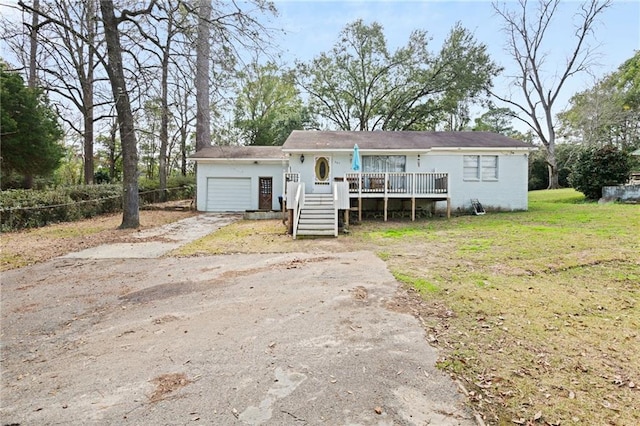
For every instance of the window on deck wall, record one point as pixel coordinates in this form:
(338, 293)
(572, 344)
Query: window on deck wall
(384, 163)
(480, 167)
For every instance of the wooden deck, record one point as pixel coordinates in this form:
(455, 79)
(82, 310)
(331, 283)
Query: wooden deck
(410, 186)
(359, 186)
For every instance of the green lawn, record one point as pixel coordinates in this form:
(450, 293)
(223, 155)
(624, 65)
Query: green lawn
(545, 320)
(537, 313)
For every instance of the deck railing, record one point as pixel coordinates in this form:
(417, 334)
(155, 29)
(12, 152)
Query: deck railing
(289, 178)
(297, 196)
(409, 184)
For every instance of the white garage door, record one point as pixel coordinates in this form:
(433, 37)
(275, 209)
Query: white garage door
(228, 194)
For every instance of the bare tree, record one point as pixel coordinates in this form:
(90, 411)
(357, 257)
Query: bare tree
(115, 69)
(203, 56)
(87, 93)
(33, 76)
(528, 43)
(184, 113)
(161, 32)
(66, 64)
(33, 52)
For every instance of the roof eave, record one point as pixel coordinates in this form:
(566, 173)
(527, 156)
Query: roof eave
(484, 148)
(245, 160)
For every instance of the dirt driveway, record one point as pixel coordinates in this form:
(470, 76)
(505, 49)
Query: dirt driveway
(277, 339)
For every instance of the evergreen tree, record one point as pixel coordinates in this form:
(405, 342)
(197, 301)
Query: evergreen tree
(29, 129)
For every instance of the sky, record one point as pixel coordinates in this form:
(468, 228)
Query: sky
(313, 27)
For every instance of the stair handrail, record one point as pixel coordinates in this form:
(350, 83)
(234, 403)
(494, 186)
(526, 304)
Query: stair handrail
(335, 209)
(297, 207)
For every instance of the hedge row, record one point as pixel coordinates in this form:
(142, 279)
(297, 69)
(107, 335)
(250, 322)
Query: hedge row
(178, 188)
(20, 209)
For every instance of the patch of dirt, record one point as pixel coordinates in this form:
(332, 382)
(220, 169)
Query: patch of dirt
(410, 301)
(168, 383)
(360, 293)
(38, 245)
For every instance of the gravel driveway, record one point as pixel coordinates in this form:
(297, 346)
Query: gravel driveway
(277, 339)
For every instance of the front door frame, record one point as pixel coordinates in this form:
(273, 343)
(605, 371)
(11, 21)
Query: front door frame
(322, 185)
(265, 193)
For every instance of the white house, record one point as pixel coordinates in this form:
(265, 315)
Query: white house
(239, 178)
(393, 171)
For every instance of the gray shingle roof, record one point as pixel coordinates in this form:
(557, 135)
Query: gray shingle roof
(239, 152)
(303, 140)
(327, 140)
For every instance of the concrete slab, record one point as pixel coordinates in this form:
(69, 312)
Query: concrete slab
(173, 236)
(142, 250)
(254, 339)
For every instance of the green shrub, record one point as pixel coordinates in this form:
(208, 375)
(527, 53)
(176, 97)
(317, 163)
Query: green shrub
(21, 208)
(94, 200)
(178, 188)
(598, 167)
(101, 177)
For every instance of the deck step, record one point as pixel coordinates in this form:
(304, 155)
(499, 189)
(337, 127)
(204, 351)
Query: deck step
(316, 219)
(316, 232)
(315, 226)
(317, 213)
(327, 207)
(320, 220)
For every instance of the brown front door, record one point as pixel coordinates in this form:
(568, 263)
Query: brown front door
(265, 198)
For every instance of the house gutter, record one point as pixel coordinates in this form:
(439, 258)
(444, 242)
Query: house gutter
(238, 160)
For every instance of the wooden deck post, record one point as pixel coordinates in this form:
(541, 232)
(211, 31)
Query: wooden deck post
(346, 218)
(413, 209)
(290, 222)
(448, 208)
(359, 209)
(386, 201)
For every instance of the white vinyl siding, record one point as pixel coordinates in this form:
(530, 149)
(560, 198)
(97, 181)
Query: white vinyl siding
(480, 167)
(228, 194)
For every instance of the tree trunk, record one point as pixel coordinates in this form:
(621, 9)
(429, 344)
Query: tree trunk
(112, 152)
(164, 116)
(33, 51)
(552, 166)
(87, 89)
(88, 134)
(552, 161)
(203, 53)
(130, 202)
(183, 151)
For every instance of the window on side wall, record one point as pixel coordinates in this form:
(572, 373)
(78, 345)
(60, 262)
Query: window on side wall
(489, 167)
(480, 167)
(471, 167)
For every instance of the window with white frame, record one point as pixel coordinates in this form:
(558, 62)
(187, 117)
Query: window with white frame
(384, 163)
(489, 167)
(471, 167)
(480, 167)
